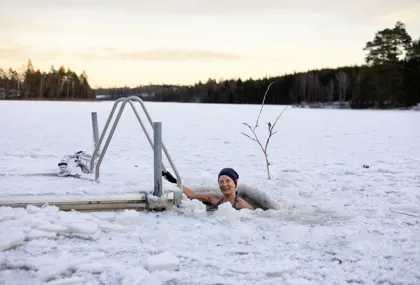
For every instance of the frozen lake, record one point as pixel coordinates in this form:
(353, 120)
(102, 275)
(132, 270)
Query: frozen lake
(335, 222)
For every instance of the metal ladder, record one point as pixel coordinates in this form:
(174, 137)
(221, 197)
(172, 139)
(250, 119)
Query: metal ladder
(124, 101)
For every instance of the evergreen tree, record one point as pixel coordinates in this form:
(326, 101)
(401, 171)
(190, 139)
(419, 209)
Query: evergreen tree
(414, 50)
(36, 84)
(388, 46)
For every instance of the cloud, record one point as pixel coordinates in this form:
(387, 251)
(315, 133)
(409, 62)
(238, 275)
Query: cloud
(20, 52)
(194, 7)
(173, 55)
(409, 15)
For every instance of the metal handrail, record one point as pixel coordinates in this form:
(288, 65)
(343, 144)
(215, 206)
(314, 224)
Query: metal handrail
(98, 144)
(125, 100)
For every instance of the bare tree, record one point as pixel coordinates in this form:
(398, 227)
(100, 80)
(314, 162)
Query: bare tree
(314, 87)
(343, 84)
(41, 85)
(303, 87)
(317, 87)
(330, 91)
(270, 132)
(21, 78)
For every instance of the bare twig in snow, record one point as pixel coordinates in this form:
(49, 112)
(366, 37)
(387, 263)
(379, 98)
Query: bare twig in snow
(271, 132)
(262, 105)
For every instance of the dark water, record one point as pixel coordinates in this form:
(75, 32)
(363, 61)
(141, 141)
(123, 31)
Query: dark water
(243, 194)
(252, 202)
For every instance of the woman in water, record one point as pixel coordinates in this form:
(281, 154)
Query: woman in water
(228, 181)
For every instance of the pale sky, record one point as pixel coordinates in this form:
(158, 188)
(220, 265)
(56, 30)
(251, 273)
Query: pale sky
(133, 42)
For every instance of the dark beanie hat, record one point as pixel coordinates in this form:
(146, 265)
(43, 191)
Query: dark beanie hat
(229, 172)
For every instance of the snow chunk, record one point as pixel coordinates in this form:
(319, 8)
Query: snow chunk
(280, 268)
(62, 266)
(31, 209)
(54, 271)
(192, 204)
(48, 227)
(80, 227)
(137, 276)
(151, 280)
(106, 216)
(162, 261)
(11, 239)
(68, 281)
(194, 207)
(50, 210)
(108, 227)
(227, 211)
(31, 221)
(19, 212)
(35, 234)
(298, 281)
(6, 213)
(128, 217)
(408, 208)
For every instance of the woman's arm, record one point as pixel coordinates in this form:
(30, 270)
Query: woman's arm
(207, 198)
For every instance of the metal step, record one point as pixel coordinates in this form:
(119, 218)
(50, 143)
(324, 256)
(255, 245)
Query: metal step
(136, 201)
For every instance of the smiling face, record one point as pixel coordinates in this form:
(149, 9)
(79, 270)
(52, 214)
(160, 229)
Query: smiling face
(226, 185)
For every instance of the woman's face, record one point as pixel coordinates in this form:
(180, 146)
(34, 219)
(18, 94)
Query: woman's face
(226, 185)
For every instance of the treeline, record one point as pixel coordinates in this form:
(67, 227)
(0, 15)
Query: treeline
(389, 78)
(55, 84)
(358, 86)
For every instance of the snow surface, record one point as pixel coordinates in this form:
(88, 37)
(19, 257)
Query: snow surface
(332, 221)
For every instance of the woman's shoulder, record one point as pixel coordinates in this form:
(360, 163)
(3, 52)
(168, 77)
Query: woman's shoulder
(242, 204)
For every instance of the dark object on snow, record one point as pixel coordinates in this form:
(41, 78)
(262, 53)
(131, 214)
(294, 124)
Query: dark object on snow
(78, 159)
(168, 176)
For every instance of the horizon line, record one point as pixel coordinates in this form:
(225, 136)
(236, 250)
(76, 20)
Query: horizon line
(179, 84)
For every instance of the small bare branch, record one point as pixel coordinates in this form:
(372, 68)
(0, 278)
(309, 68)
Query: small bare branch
(248, 126)
(275, 122)
(262, 105)
(270, 134)
(259, 143)
(249, 137)
(255, 139)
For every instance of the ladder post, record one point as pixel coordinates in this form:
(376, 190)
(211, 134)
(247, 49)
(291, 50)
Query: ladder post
(95, 129)
(157, 148)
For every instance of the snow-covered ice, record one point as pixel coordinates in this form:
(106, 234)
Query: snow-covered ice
(331, 220)
(162, 261)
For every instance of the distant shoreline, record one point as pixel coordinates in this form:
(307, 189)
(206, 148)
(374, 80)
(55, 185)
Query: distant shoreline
(51, 99)
(347, 106)
(312, 105)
